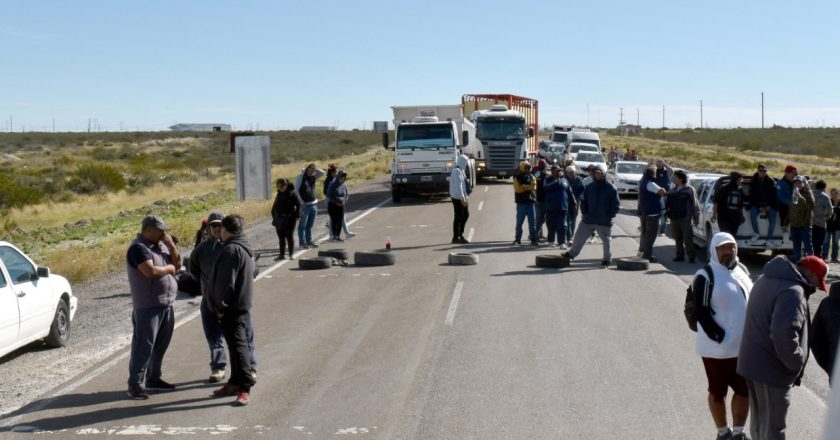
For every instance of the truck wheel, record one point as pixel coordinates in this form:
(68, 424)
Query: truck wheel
(380, 258)
(552, 261)
(463, 258)
(315, 263)
(396, 195)
(631, 263)
(338, 254)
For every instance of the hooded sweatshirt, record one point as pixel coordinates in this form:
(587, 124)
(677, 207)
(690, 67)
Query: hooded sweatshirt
(337, 193)
(286, 203)
(524, 185)
(458, 180)
(802, 211)
(774, 346)
(822, 209)
(721, 312)
(826, 329)
(231, 288)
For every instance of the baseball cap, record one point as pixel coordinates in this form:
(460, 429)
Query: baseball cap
(570, 169)
(555, 168)
(215, 216)
(153, 220)
(800, 179)
(790, 169)
(817, 265)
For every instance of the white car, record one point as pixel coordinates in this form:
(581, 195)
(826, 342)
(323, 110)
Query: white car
(586, 158)
(578, 147)
(625, 175)
(34, 304)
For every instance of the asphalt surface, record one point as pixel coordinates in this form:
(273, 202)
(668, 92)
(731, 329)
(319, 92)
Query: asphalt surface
(422, 349)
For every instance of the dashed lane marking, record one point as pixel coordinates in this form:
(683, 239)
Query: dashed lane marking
(453, 305)
(480, 205)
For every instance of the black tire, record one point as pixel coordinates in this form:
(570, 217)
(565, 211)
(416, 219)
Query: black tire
(380, 258)
(315, 263)
(396, 195)
(338, 254)
(552, 261)
(463, 258)
(632, 263)
(60, 328)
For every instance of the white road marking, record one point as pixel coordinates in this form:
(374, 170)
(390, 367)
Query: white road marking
(480, 205)
(453, 305)
(486, 188)
(470, 234)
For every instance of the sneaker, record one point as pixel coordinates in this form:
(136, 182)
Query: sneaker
(311, 245)
(456, 241)
(159, 385)
(677, 259)
(563, 247)
(566, 255)
(137, 392)
(291, 257)
(304, 246)
(278, 258)
(516, 242)
(216, 376)
(463, 240)
(773, 243)
(727, 436)
(604, 264)
(242, 398)
(339, 240)
(227, 390)
(835, 261)
(535, 243)
(754, 238)
(653, 259)
(351, 234)
(740, 436)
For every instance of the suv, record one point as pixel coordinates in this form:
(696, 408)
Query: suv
(553, 152)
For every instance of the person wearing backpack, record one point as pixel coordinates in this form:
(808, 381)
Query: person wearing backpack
(721, 290)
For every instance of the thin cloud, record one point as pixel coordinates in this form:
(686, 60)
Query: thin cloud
(15, 33)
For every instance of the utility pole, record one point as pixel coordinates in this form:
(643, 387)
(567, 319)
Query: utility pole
(637, 117)
(762, 110)
(587, 114)
(663, 117)
(88, 125)
(621, 116)
(701, 114)
(10, 124)
(53, 125)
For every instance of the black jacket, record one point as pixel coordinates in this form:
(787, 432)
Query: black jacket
(286, 204)
(232, 279)
(762, 192)
(826, 329)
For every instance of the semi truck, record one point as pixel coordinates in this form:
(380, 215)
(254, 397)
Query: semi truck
(427, 140)
(505, 128)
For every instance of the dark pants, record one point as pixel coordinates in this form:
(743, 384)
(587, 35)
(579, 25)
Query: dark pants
(286, 234)
(683, 238)
(784, 209)
(818, 239)
(556, 222)
(462, 213)
(730, 225)
(336, 213)
(571, 220)
(541, 217)
(768, 410)
(216, 341)
(235, 329)
(153, 328)
(650, 229)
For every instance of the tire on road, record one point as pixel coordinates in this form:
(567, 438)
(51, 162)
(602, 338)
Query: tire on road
(377, 258)
(463, 258)
(315, 263)
(552, 261)
(631, 263)
(338, 254)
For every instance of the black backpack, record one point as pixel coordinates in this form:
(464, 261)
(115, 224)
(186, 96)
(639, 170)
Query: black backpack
(688, 307)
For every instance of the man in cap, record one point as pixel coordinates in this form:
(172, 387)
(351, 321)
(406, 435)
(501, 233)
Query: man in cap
(524, 194)
(683, 210)
(305, 184)
(826, 330)
(774, 345)
(558, 198)
(729, 205)
(784, 195)
(763, 202)
(577, 190)
(650, 206)
(721, 290)
(151, 262)
(540, 172)
(801, 217)
(599, 206)
(202, 260)
(664, 173)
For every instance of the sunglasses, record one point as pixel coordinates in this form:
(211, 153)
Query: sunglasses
(215, 225)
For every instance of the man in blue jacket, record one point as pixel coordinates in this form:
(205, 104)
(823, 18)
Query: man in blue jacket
(599, 206)
(577, 190)
(558, 199)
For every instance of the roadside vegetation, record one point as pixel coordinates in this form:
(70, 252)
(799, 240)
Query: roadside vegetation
(74, 200)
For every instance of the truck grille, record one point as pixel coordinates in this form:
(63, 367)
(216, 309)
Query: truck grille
(501, 157)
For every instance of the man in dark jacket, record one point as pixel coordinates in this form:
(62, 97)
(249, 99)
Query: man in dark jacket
(231, 297)
(305, 184)
(558, 198)
(337, 196)
(763, 202)
(577, 190)
(599, 206)
(664, 174)
(826, 330)
(524, 194)
(729, 205)
(784, 195)
(801, 218)
(540, 173)
(774, 345)
(683, 210)
(650, 212)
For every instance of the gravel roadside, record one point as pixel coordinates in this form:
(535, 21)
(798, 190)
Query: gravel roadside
(102, 326)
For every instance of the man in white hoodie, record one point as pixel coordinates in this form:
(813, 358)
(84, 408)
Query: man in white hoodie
(458, 191)
(721, 290)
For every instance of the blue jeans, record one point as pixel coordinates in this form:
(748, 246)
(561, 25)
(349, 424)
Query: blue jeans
(526, 210)
(153, 328)
(831, 241)
(215, 338)
(800, 236)
(663, 223)
(771, 217)
(571, 220)
(307, 219)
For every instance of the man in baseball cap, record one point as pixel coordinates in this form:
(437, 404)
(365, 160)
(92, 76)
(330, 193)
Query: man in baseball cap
(154, 221)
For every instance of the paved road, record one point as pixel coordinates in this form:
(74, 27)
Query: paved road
(427, 350)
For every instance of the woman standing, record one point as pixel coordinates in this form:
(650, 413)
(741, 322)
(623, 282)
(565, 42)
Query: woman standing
(332, 170)
(336, 199)
(284, 214)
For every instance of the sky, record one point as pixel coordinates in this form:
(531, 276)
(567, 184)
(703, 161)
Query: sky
(266, 65)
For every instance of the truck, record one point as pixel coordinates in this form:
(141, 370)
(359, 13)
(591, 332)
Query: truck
(583, 135)
(427, 141)
(505, 127)
(560, 134)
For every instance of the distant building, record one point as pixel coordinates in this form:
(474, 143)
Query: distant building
(630, 129)
(380, 126)
(317, 128)
(200, 127)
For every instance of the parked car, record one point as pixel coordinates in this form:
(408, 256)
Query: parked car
(625, 175)
(586, 158)
(577, 147)
(553, 152)
(34, 304)
(705, 229)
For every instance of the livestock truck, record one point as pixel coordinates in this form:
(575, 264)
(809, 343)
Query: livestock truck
(505, 127)
(427, 141)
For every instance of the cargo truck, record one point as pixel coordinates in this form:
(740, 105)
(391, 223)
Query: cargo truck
(427, 140)
(505, 127)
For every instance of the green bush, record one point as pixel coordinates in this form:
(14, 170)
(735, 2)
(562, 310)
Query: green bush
(93, 178)
(15, 195)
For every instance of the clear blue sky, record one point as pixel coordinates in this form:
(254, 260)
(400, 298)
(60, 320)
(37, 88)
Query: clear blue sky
(283, 64)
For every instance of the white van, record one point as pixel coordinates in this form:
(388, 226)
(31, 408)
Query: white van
(588, 137)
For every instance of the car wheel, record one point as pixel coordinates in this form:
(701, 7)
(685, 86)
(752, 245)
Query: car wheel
(374, 259)
(338, 254)
(631, 263)
(463, 258)
(315, 263)
(552, 261)
(60, 328)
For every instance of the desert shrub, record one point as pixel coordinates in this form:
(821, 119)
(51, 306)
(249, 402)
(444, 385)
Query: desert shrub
(96, 178)
(14, 194)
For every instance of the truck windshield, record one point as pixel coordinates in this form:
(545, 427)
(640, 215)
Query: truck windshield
(428, 136)
(500, 129)
(630, 168)
(559, 137)
(594, 142)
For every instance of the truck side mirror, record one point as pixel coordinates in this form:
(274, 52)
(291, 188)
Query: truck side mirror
(530, 132)
(465, 138)
(385, 141)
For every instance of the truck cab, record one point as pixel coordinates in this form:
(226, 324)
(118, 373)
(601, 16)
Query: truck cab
(501, 141)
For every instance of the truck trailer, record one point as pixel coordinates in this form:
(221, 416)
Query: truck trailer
(505, 128)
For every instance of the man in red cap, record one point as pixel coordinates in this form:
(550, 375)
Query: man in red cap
(784, 195)
(774, 345)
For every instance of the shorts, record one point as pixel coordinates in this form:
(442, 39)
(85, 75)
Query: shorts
(721, 375)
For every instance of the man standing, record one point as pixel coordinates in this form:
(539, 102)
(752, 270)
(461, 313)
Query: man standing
(784, 195)
(664, 173)
(558, 198)
(202, 260)
(577, 190)
(774, 346)
(823, 211)
(151, 277)
(826, 328)
(231, 297)
(763, 202)
(540, 173)
(460, 204)
(305, 183)
(683, 210)
(721, 290)
(801, 216)
(729, 205)
(650, 212)
(524, 187)
(599, 206)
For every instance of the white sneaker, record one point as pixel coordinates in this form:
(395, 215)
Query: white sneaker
(350, 234)
(754, 238)
(563, 247)
(773, 243)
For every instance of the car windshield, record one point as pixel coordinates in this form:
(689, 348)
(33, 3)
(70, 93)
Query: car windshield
(630, 168)
(582, 147)
(500, 129)
(425, 136)
(555, 148)
(590, 157)
(559, 137)
(594, 142)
